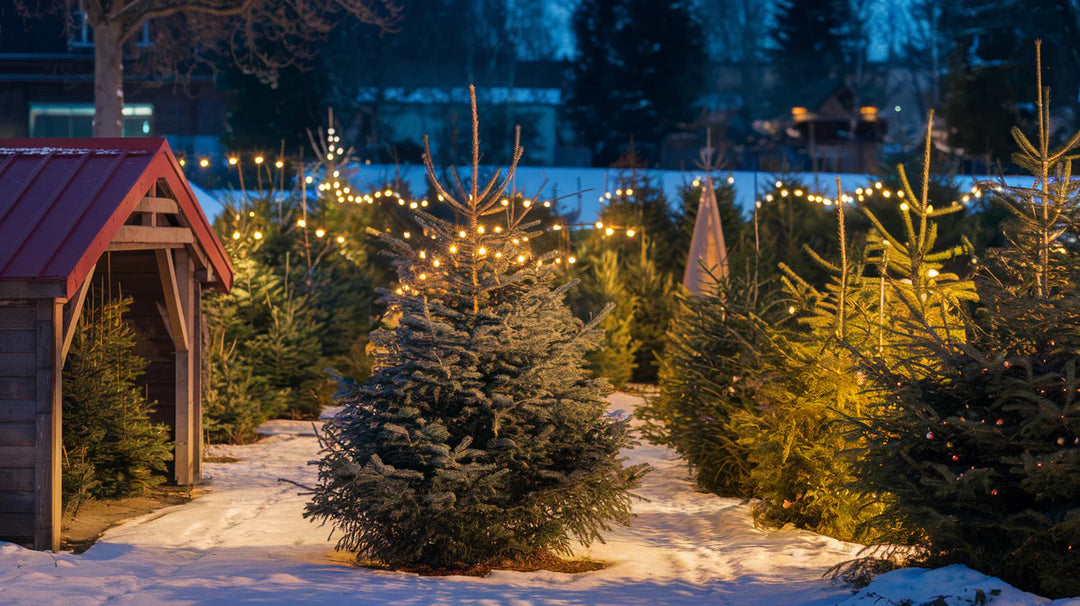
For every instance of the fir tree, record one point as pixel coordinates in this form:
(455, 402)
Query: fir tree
(980, 447)
(708, 374)
(637, 71)
(480, 436)
(113, 448)
(614, 360)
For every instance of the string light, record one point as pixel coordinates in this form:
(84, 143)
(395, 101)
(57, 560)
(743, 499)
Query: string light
(320, 233)
(258, 159)
(204, 163)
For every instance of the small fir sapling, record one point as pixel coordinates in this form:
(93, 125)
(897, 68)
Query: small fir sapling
(113, 449)
(480, 437)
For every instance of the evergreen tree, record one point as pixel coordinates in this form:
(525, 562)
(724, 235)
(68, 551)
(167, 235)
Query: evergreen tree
(238, 396)
(636, 73)
(113, 448)
(614, 360)
(815, 40)
(707, 374)
(480, 436)
(980, 449)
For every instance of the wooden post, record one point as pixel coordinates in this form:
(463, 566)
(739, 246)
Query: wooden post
(186, 438)
(195, 334)
(47, 472)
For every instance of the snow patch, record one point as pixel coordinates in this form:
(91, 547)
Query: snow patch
(246, 541)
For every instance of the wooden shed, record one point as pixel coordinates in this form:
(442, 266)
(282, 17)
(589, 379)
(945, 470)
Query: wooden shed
(117, 214)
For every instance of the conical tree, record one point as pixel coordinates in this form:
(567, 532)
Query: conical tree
(980, 449)
(480, 437)
(108, 434)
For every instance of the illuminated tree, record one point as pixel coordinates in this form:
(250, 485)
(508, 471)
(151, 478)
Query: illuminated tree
(481, 436)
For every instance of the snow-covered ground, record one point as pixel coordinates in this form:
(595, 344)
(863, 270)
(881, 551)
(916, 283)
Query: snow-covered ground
(245, 542)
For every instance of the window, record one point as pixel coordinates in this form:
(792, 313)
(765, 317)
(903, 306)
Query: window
(77, 120)
(82, 35)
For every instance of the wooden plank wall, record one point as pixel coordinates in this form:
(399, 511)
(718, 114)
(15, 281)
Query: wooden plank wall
(18, 414)
(135, 274)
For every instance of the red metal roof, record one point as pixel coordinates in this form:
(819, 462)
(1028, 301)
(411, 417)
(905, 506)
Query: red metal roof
(63, 200)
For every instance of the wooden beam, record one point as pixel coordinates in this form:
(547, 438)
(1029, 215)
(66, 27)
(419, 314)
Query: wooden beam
(177, 323)
(151, 204)
(47, 472)
(72, 311)
(154, 235)
(196, 380)
(51, 289)
(185, 375)
(123, 246)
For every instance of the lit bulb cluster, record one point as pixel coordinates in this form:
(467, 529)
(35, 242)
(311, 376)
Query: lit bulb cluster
(698, 181)
(861, 194)
(619, 193)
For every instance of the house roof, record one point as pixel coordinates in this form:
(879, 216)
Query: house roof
(62, 202)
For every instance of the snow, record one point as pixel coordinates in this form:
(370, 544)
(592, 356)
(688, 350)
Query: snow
(956, 585)
(245, 541)
(579, 190)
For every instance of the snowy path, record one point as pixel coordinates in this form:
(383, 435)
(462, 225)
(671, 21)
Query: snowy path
(245, 542)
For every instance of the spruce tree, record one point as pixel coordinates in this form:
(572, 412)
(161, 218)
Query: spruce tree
(981, 448)
(114, 450)
(480, 437)
(614, 360)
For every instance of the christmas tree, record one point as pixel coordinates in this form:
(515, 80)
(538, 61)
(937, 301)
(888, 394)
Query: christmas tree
(113, 448)
(480, 437)
(981, 448)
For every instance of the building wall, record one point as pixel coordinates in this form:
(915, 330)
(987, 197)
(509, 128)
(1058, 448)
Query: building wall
(18, 406)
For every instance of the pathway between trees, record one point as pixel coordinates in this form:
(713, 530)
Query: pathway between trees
(245, 541)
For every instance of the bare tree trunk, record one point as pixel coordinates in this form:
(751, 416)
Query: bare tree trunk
(108, 80)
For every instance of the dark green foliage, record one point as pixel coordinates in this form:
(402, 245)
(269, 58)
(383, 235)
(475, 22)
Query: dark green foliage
(706, 377)
(304, 299)
(614, 359)
(760, 386)
(480, 435)
(261, 115)
(637, 73)
(630, 227)
(981, 447)
(238, 394)
(788, 224)
(113, 450)
(79, 480)
(984, 47)
(815, 40)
